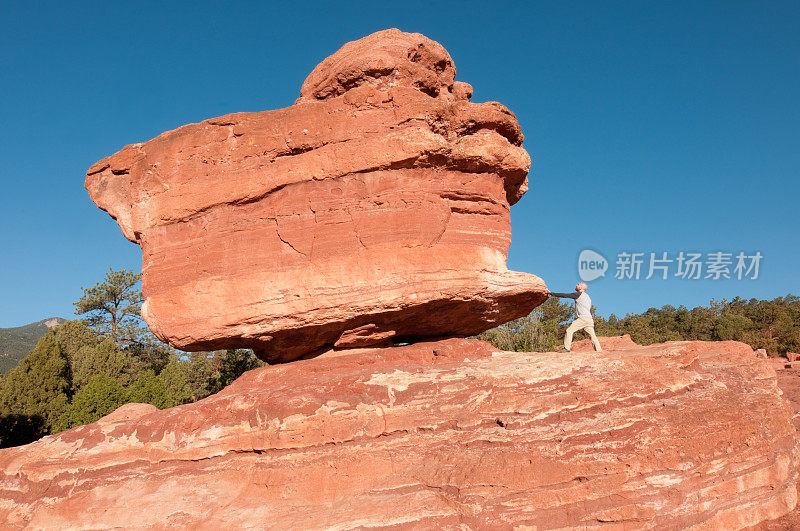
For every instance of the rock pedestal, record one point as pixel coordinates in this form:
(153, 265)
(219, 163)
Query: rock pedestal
(439, 434)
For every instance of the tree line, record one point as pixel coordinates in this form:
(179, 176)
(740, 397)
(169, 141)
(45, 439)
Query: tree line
(773, 325)
(86, 368)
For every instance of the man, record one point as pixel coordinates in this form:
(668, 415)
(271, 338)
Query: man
(583, 316)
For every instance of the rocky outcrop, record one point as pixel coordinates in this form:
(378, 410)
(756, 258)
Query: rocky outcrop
(609, 343)
(438, 434)
(789, 383)
(374, 209)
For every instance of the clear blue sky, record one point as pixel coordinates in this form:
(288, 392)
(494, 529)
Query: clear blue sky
(653, 127)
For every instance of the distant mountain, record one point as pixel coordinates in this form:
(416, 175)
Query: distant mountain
(15, 343)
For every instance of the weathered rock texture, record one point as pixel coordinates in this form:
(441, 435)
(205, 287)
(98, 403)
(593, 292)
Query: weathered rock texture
(609, 343)
(789, 382)
(376, 208)
(440, 434)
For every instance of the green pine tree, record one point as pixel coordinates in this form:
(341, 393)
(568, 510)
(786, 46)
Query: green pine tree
(176, 382)
(113, 306)
(230, 364)
(74, 335)
(103, 358)
(200, 375)
(36, 391)
(113, 309)
(102, 395)
(149, 389)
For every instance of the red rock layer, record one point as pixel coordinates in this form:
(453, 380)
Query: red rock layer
(789, 383)
(439, 434)
(609, 343)
(374, 209)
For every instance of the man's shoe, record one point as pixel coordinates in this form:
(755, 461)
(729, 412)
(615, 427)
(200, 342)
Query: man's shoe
(563, 350)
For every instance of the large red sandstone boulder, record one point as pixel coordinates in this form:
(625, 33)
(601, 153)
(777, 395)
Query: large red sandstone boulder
(440, 434)
(376, 208)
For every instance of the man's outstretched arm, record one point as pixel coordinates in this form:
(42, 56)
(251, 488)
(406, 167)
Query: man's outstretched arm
(573, 295)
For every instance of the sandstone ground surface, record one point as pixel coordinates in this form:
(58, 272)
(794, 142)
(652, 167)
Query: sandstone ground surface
(447, 433)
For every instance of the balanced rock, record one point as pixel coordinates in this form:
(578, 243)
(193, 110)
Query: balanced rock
(448, 434)
(375, 209)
